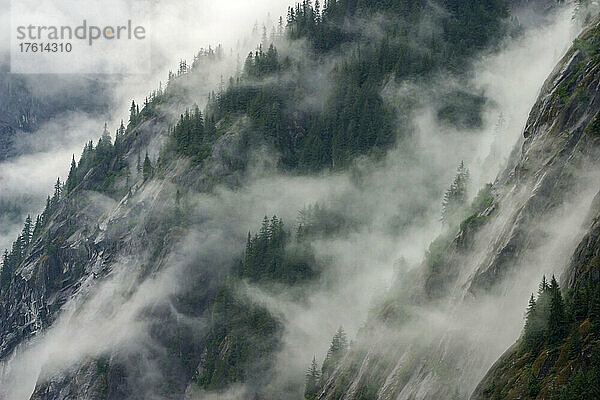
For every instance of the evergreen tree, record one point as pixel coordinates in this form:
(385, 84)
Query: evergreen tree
(133, 113)
(192, 135)
(57, 192)
(583, 384)
(72, 178)
(270, 257)
(119, 137)
(337, 349)
(556, 319)
(532, 334)
(543, 287)
(311, 388)
(5, 273)
(27, 232)
(455, 197)
(537, 316)
(104, 152)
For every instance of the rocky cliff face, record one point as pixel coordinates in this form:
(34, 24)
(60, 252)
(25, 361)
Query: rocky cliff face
(90, 240)
(583, 266)
(560, 145)
(552, 166)
(567, 369)
(561, 370)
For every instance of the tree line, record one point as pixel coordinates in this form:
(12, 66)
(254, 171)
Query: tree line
(551, 319)
(316, 377)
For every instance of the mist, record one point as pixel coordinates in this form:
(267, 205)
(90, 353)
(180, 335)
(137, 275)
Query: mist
(388, 243)
(179, 30)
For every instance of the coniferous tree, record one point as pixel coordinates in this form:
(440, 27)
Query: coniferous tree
(132, 113)
(27, 232)
(5, 273)
(270, 256)
(584, 383)
(311, 387)
(119, 137)
(72, 178)
(57, 192)
(455, 197)
(543, 286)
(556, 318)
(192, 135)
(337, 349)
(354, 119)
(533, 330)
(104, 151)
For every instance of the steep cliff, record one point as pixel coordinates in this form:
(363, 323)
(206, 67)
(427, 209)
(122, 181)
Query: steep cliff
(551, 169)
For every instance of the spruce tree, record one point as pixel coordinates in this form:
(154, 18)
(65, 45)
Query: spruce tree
(537, 316)
(57, 192)
(5, 273)
(337, 349)
(543, 287)
(556, 319)
(455, 197)
(27, 232)
(119, 137)
(72, 178)
(133, 111)
(311, 388)
(532, 334)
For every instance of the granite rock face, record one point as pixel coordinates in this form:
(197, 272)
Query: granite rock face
(551, 166)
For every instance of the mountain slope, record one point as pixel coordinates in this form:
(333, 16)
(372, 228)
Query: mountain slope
(486, 257)
(122, 289)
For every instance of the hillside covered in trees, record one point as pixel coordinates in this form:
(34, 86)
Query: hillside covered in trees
(157, 227)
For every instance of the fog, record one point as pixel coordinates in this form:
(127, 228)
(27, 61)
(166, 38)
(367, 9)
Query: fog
(367, 261)
(179, 30)
(388, 243)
